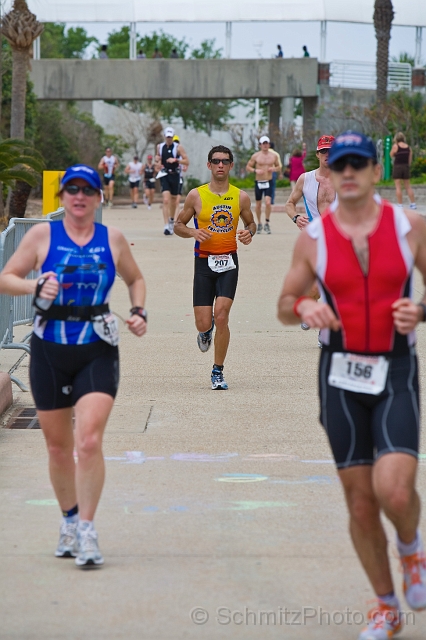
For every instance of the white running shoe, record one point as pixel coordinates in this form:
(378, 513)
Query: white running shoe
(167, 230)
(305, 326)
(259, 228)
(89, 555)
(414, 568)
(385, 623)
(171, 226)
(413, 205)
(267, 228)
(67, 545)
(204, 340)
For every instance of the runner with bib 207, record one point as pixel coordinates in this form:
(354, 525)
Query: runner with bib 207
(216, 208)
(363, 251)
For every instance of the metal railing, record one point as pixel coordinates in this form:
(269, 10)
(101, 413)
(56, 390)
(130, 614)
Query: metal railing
(18, 310)
(362, 75)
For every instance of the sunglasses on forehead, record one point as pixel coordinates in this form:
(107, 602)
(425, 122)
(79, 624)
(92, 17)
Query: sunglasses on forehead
(73, 189)
(356, 162)
(220, 160)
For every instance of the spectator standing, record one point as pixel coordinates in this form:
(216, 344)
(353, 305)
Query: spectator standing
(280, 53)
(157, 53)
(174, 54)
(305, 51)
(295, 165)
(141, 55)
(103, 52)
(402, 157)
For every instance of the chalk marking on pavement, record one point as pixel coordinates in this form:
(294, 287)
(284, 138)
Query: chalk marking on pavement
(248, 505)
(202, 457)
(50, 502)
(241, 477)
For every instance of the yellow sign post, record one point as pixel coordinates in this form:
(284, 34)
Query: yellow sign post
(51, 183)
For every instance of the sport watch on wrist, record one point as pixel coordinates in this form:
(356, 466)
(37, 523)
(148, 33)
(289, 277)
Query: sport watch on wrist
(139, 311)
(423, 307)
(295, 218)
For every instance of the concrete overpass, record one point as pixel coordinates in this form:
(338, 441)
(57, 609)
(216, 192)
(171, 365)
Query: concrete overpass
(274, 79)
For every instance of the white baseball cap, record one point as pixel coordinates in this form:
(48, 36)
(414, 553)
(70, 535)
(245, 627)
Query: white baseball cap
(264, 139)
(169, 132)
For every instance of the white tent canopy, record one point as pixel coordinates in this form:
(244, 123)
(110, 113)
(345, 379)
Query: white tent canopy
(407, 12)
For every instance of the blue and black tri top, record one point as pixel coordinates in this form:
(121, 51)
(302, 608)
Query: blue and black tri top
(85, 275)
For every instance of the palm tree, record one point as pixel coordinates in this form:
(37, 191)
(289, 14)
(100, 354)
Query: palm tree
(18, 163)
(20, 27)
(383, 16)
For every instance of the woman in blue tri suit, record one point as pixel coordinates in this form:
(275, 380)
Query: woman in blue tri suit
(74, 356)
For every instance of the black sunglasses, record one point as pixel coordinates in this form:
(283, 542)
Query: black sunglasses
(225, 161)
(73, 189)
(323, 151)
(356, 162)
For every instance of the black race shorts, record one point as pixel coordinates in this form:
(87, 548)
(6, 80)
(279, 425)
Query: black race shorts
(135, 184)
(362, 427)
(209, 285)
(60, 374)
(170, 182)
(401, 172)
(259, 193)
(149, 185)
(109, 179)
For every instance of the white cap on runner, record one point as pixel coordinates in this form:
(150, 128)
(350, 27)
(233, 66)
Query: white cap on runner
(169, 132)
(264, 139)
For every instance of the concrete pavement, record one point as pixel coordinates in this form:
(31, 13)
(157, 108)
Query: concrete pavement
(225, 504)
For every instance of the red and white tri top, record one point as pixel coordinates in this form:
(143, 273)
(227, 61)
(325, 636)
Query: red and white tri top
(361, 301)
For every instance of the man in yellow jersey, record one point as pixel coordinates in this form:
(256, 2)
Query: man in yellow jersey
(216, 208)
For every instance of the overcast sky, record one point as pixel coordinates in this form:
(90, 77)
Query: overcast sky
(259, 39)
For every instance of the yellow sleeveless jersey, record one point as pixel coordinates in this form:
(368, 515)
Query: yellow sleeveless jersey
(219, 215)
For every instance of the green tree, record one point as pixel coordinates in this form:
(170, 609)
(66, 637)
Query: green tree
(404, 56)
(164, 43)
(118, 43)
(18, 162)
(55, 42)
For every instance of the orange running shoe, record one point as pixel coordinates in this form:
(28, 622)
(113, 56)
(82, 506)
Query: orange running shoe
(385, 623)
(414, 568)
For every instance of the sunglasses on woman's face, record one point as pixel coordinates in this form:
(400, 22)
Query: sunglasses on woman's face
(224, 161)
(73, 189)
(356, 162)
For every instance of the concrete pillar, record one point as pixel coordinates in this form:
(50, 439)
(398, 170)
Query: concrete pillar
(133, 38)
(228, 43)
(274, 117)
(36, 49)
(323, 44)
(287, 111)
(85, 105)
(323, 73)
(418, 53)
(309, 125)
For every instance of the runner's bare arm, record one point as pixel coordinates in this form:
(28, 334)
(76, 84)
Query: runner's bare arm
(126, 266)
(297, 283)
(127, 169)
(30, 254)
(101, 163)
(406, 313)
(188, 212)
(251, 164)
(246, 216)
(183, 157)
(290, 205)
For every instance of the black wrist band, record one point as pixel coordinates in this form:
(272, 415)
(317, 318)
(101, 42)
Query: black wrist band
(423, 306)
(139, 311)
(295, 218)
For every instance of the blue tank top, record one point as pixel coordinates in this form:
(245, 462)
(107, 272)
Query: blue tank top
(85, 275)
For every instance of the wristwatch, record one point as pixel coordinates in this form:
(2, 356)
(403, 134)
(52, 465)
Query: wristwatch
(295, 217)
(250, 232)
(139, 311)
(423, 306)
